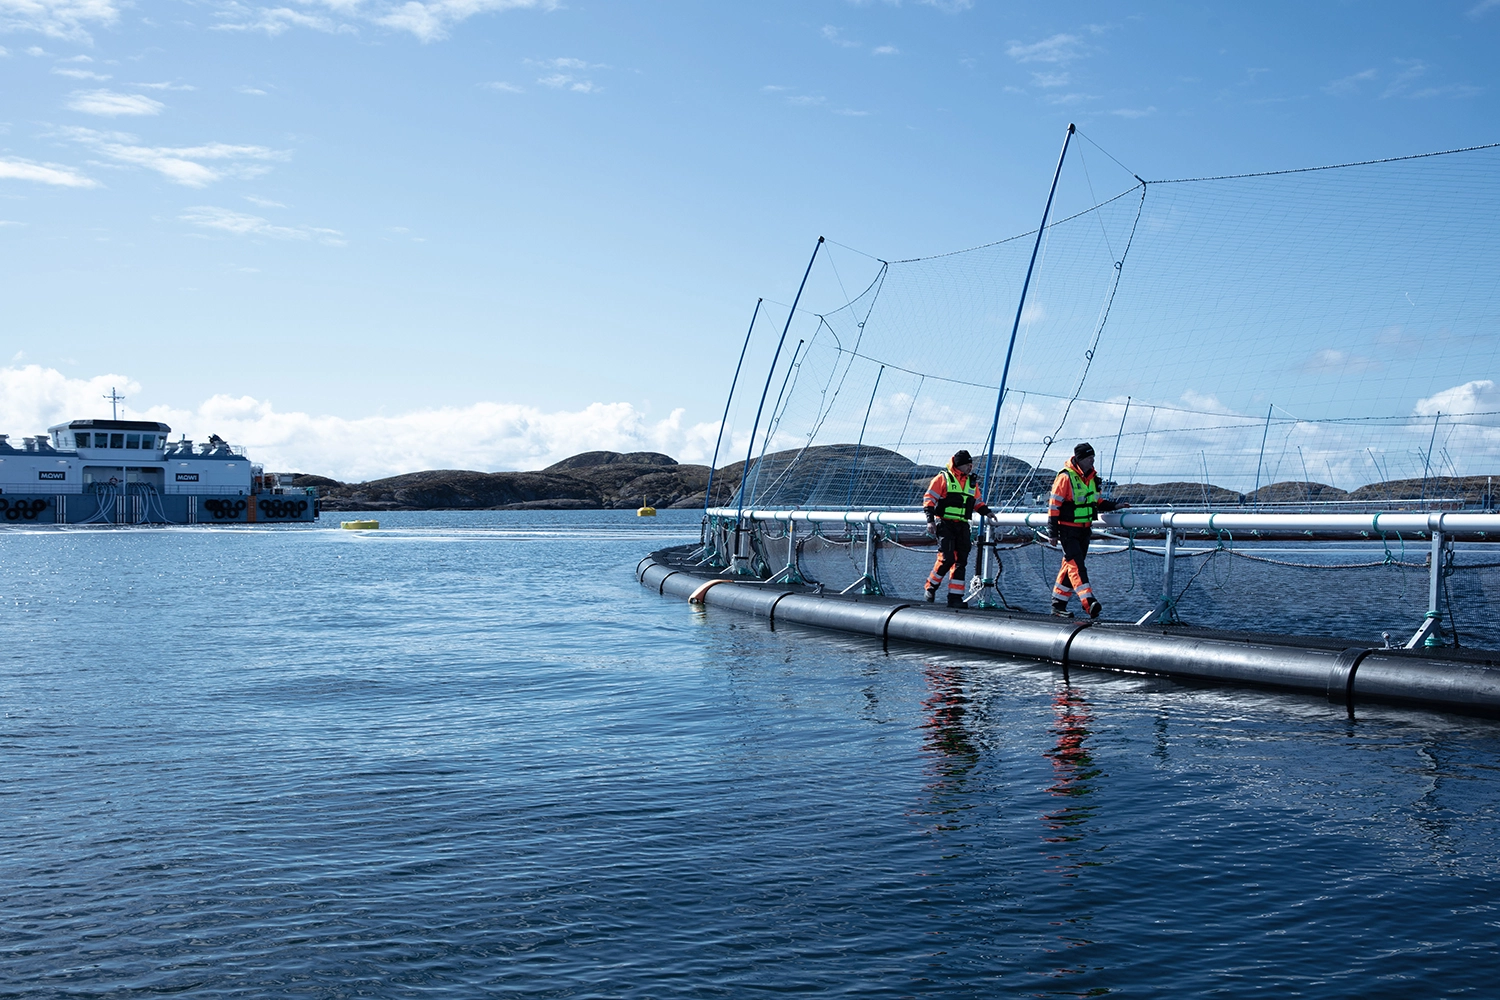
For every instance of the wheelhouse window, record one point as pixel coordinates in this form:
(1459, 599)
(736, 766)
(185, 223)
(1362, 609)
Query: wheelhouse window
(148, 441)
(84, 440)
(116, 440)
(133, 441)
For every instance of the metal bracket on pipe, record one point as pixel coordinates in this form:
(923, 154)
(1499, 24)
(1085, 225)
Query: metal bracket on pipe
(1166, 608)
(791, 572)
(867, 582)
(1431, 631)
(1430, 634)
(983, 595)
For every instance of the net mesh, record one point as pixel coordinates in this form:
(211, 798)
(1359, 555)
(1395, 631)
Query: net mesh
(1302, 337)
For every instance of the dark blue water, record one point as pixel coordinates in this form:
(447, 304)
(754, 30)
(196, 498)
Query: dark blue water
(469, 756)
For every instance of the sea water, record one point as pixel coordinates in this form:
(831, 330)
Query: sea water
(468, 755)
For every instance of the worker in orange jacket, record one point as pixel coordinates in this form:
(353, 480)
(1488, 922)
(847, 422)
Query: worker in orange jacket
(1070, 517)
(951, 499)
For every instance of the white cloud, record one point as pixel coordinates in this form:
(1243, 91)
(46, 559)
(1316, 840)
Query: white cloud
(566, 76)
(165, 86)
(275, 20)
(79, 74)
(111, 104)
(1339, 362)
(242, 224)
(1350, 84)
(44, 173)
(8, 222)
(180, 164)
(1134, 112)
(851, 113)
(252, 91)
(1479, 9)
(565, 81)
(263, 202)
(430, 21)
(835, 36)
(496, 435)
(885, 50)
(57, 18)
(1478, 396)
(1061, 79)
(1415, 68)
(1059, 49)
(508, 88)
(32, 397)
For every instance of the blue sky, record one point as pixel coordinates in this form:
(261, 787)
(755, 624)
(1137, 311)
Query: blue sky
(372, 237)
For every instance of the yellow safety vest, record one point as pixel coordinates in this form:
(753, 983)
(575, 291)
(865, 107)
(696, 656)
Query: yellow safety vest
(959, 503)
(1085, 496)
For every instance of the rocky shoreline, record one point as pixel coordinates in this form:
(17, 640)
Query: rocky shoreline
(604, 480)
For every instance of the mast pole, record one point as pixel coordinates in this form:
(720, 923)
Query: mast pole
(1020, 306)
(1262, 457)
(770, 372)
(708, 492)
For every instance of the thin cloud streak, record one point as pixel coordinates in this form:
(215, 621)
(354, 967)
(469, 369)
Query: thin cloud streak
(109, 104)
(180, 164)
(44, 173)
(243, 224)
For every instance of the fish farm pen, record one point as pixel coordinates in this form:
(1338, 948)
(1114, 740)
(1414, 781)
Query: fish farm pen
(1284, 376)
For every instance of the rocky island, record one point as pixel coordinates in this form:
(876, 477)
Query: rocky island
(601, 480)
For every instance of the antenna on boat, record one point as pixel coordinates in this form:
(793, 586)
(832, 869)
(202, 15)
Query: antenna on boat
(115, 399)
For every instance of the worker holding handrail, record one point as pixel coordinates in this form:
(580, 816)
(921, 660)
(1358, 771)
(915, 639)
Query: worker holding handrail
(1070, 517)
(951, 499)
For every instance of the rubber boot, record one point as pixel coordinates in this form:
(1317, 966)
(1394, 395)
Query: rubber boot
(1060, 609)
(956, 601)
(1094, 608)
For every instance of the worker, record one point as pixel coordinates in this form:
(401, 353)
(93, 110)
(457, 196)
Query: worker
(1070, 516)
(950, 501)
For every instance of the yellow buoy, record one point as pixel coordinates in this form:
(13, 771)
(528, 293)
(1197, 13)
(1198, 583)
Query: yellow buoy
(646, 512)
(360, 525)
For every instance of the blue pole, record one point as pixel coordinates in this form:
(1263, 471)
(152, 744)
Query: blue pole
(708, 493)
(1016, 326)
(791, 313)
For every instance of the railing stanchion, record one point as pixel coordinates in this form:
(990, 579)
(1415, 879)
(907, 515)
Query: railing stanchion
(1431, 632)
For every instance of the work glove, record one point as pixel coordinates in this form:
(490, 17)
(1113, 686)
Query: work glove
(932, 525)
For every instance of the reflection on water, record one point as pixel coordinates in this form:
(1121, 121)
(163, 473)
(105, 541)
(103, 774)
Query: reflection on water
(946, 739)
(1073, 772)
(1073, 783)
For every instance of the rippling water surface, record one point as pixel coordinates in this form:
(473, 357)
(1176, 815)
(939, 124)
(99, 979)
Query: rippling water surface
(469, 756)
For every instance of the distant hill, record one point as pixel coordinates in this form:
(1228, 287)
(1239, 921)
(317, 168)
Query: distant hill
(817, 477)
(594, 480)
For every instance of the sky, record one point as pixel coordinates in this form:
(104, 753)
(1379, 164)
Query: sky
(363, 237)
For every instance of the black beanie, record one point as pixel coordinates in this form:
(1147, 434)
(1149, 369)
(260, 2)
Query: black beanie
(1082, 450)
(962, 457)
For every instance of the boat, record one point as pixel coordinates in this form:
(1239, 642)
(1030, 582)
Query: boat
(131, 472)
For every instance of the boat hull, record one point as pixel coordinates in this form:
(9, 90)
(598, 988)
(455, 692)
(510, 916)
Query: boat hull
(96, 508)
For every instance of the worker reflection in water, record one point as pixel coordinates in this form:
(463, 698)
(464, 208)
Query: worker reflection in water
(950, 500)
(1070, 516)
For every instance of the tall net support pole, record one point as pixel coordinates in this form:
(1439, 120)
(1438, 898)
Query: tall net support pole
(741, 563)
(708, 493)
(1015, 328)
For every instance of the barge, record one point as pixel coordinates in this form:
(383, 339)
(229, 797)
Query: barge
(131, 472)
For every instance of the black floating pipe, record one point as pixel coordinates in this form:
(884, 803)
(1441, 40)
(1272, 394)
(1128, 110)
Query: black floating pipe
(1345, 675)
